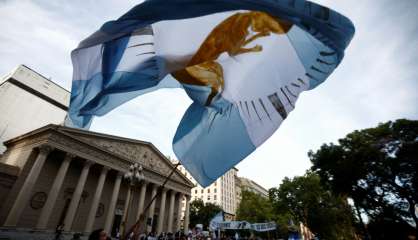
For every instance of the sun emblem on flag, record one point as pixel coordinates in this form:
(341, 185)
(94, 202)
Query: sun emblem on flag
(231, 36)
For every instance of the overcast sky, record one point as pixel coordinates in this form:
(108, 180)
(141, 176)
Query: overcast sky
(376, 82)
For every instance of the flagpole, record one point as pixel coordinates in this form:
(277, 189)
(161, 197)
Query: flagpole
(135, 227)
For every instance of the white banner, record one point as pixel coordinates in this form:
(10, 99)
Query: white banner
(263, 227)
(236, 225)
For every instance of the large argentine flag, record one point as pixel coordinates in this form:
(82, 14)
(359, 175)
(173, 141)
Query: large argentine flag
(242, 62)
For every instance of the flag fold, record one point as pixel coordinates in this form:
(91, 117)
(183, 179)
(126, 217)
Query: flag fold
(242, 62)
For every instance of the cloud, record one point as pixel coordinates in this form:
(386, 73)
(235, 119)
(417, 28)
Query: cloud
(153, 117)
(41, 34)
(376, 82)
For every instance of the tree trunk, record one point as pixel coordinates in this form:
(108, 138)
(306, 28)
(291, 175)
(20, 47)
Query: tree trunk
(366, 232)
(412, 211)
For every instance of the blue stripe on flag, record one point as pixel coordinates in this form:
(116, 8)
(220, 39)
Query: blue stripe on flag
(225, 133)
(334, 29)
(309, 51)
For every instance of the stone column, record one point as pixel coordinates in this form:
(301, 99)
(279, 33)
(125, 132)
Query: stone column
(162, 211)
(27, 187)
(152, 207)
(96, 199)
(141, 202)
(53, 192)
(171, 212)
(186, 215)
(126, 211)
(75, 199)
(180, 205)
(112, 205)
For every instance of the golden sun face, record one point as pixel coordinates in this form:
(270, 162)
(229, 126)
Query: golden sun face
(230, 36)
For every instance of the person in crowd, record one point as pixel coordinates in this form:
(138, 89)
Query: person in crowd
(58, 231)
(117, 233)
(151, 236)
(98, 234)
(236, 236)
(143, 236)
(76, 236)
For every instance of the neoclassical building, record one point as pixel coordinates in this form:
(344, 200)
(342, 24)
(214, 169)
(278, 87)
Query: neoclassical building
(222, 192)
(62, 176)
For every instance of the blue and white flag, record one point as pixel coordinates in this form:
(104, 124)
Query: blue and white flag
(242, 62)
(215, 221)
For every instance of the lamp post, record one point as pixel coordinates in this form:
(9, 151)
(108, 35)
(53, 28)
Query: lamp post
(135, 228)
(134, 176)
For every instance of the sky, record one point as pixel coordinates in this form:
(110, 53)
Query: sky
(376, 82)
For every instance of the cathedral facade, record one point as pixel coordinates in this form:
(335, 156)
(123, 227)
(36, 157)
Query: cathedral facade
(59, 176)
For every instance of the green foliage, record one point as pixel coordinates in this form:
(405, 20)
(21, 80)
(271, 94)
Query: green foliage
(377, 169)
(282, 219)
(254, 208)
(304, 199)
(201, 213)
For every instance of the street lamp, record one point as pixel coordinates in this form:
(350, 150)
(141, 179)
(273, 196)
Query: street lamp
(134, 176)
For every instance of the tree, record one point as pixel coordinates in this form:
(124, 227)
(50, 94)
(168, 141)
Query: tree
(201, 213)
(306, 200)
(254, 208)
(377, 169)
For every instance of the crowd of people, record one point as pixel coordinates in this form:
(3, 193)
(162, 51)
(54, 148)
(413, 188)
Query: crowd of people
(193, 234)
(100, 234)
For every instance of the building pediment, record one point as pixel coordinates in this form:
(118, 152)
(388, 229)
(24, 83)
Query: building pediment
(120, 151)
(144, 153)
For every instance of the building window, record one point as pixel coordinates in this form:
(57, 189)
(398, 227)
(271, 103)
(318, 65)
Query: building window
(201, 191)
(208, 190)
(208, 198)
(195, 191)
(214, 190)
(214, 197)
